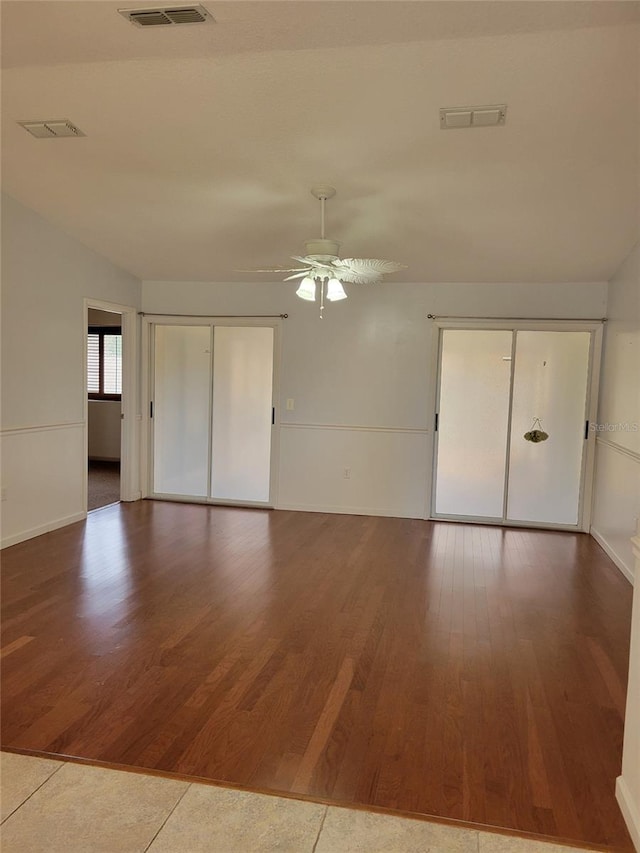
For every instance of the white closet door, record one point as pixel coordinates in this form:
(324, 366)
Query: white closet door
(485, 468)
(473, 417)
(242, 411)
(182, 383)
(550, 383)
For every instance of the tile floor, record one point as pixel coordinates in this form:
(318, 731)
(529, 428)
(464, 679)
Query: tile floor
(61, 807)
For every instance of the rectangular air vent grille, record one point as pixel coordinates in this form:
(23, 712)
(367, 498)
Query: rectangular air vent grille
(51, 129)
(163, 16)
(492, 116)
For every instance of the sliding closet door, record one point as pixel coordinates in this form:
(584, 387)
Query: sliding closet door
(550, 384)
(472, 427)
(212, 412)
(512, 412)
(181, 400)
(242, 410)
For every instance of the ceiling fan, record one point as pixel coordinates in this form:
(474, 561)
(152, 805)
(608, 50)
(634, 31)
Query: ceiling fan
(322, 264)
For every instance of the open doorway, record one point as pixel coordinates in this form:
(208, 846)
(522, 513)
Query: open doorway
(104, 407)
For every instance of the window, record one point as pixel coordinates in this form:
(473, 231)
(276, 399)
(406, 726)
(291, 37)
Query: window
(104, 362)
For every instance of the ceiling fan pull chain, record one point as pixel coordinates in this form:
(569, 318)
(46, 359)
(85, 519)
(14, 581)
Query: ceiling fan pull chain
(322, 283)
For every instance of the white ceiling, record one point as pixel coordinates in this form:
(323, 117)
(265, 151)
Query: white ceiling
(203, 141)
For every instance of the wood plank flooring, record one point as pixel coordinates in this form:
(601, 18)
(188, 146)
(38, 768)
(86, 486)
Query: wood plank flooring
(466, 672)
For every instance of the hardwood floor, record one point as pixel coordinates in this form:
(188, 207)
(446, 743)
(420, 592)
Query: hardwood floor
(467, 672)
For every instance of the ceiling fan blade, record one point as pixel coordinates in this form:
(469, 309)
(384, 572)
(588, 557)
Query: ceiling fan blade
(273, 269)
(316, 265)
(365, 270)
(373, 265)
(300, 274)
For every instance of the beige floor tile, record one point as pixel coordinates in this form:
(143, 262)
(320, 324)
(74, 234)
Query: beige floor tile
(20, 776)
(490, 843)
(83, 809)
(351, 831)
(222, 820)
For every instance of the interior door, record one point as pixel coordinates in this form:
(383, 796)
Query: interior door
(212, 403)
(473, 416)
(550, 384)
(242, 413)
(181, 404)
(510, 439)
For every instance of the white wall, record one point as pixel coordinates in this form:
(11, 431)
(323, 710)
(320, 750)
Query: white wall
(617, 483)
(103, 423)
(45, 276)
(359, 377)
(628, 784)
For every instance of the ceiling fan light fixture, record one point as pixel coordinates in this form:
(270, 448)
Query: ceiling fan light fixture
(323, 264)
(335, 290)
(307, 289)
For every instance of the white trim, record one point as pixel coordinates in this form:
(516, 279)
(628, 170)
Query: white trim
(506, 522)
(42, 428)
(619, 448)
(613, 555)
(432, 397)
(43, 528)
(354, 428)
(146, 393)
(274, 482)
(588, 473)
(202, 501)
(635, 543)
(629, 811)
(507, 450)
(386, 512)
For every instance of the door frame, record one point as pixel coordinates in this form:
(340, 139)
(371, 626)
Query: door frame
(585, 499)
(129, 469)
(147, 349)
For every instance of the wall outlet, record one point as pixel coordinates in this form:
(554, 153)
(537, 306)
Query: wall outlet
(290, 405)
(346, 473)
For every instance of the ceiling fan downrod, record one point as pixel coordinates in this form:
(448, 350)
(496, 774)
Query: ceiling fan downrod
(322, 193)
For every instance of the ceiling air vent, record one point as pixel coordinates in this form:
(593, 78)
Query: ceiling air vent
(164, 16)
(451, 117)
(51, 129)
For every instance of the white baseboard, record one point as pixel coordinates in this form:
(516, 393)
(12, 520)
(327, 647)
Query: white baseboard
(136, 496)
(609, 551)
(390, 512)
(629, 811)
(43, 528)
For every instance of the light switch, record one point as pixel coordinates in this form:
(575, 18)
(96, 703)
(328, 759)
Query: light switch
(290, 405)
